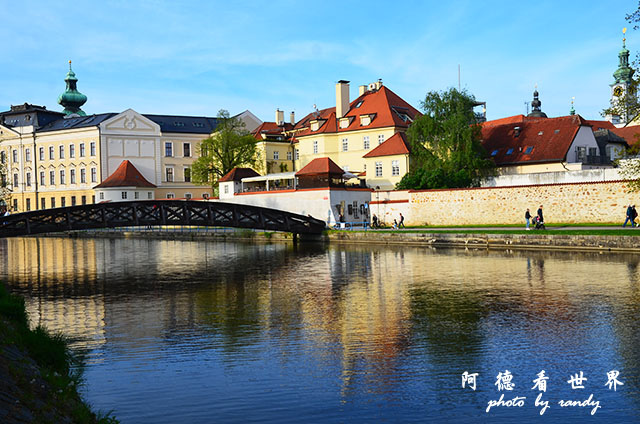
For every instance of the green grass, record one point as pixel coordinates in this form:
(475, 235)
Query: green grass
(60, 370)
(470, 230)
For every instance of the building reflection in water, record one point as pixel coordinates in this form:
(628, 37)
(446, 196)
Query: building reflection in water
(360, 310)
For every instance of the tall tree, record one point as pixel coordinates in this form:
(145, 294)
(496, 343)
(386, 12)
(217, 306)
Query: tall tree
(230, 146)
(446, 151)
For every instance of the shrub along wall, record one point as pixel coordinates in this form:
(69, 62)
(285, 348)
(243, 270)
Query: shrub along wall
(598, 202)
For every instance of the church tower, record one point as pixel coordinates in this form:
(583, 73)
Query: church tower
(72, 99)
(622, 91)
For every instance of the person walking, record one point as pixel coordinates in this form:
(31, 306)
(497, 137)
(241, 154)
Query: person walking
(629, 216)
(527, 217)
(540, 216)
(634, 215)
(401, 223)
(374, 221)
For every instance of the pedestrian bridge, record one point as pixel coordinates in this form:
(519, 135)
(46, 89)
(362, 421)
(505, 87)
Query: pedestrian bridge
(157, 213)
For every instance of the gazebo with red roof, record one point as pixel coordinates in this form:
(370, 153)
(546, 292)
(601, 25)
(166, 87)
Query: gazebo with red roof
(320, 172)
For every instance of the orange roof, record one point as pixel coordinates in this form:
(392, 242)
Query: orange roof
(320, 166)
(125, 176)
(503, 121)
(531, 140)
(272, 131)
(395, 145)
(630, 133)
(236, 174)
(384, 107)
(601, 125)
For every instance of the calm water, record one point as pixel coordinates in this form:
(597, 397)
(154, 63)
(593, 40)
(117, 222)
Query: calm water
(223, 332)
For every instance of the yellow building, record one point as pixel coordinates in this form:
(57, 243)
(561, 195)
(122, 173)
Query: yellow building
(357, 135)
(54, 159)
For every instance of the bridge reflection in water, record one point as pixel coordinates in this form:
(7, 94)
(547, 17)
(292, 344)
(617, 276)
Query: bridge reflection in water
(155, 213)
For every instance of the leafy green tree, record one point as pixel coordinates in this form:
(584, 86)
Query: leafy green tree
(446, 151)
(230, 146)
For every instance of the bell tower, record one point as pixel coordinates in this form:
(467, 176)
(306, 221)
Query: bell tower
(622, 92)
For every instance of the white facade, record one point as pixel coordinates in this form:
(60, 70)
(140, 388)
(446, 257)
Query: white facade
(123, 194)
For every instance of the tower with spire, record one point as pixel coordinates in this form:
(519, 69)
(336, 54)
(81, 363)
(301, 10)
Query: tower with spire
(72, 99)
(621, 89)
(536, 110)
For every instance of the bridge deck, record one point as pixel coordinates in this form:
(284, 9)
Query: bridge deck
(157, 212)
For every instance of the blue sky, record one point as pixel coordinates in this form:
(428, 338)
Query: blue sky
(194, 58)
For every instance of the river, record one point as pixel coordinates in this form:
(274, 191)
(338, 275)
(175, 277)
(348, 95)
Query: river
(214, 332)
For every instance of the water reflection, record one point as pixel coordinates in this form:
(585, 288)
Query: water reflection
(329, 335)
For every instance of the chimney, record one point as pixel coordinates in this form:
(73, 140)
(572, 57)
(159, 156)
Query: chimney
(361, 90)
(516, 131)
(279, 117)
(342, 98)
(292, 118)
(379, 84)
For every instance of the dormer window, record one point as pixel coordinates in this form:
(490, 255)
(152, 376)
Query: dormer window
(366, 119)
(345, 122)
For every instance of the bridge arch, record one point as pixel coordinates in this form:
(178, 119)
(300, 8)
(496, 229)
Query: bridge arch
(157, 212)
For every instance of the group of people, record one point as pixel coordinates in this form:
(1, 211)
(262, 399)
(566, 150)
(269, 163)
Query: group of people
(537, 220)
(631, 216)
(375, 223)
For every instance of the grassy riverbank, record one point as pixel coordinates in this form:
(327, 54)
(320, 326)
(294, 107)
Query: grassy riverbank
(37, 381)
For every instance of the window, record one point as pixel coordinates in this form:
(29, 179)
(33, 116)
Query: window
(15, 181)
(42, 178)
(3, 157)
(53, 202)
(52, 155)
(63, 201)
(136, 195)
(169, 175)
(62, 177)
(82, 151)
(378, 169)
(528, 150)
(510, 151)
(365, 142)
(168, 149)
(84, 200)
(15, 155)
(380, 138)
(72, 176)
(187, 196)
(93, 199)
(41, 154)
(93, 175)
(43, 203)
(72, 150)
(92, 146)
(495, 152)
(205, 195)
(61, 152)
(289, 155)
(124, 195)
(171, 196)
(315, 147)
(187, 175)
(297, 154)
(345, 144)
(52, 177)
(15, 204)
(226, 189)
(395, 168)
(149, 195)
(28, 204)
(83, 176)
(28, 179)
(186, 150)
(73, 200)
(101, 195)
(27, 155)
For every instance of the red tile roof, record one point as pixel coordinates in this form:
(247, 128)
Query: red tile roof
(320, 166)
(395, 145)
(630, 133)
(601, 125)
(236, 174)
(271, 130)
(125, 176)
(547, 139)
(385, 107)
